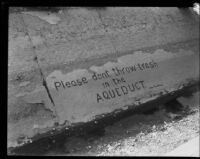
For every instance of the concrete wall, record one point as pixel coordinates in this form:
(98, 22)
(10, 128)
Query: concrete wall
(73, 41)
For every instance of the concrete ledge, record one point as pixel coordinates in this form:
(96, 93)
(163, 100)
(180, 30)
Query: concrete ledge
(44, 142)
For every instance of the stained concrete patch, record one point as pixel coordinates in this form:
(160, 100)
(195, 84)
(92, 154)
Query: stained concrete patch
(24, 84)
(67, 52)
(23, 110)
(140, 56)
(51, 18)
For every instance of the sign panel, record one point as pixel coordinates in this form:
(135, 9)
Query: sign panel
(82, 94)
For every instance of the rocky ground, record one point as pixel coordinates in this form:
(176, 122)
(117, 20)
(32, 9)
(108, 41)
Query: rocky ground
(151, 134)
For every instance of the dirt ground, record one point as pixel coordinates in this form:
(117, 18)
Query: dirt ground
(151, 134)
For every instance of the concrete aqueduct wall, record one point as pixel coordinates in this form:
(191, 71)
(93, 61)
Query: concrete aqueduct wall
(76, 42)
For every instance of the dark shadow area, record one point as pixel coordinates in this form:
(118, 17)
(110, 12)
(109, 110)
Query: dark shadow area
(44, 9)
(48, 9)
(173, 106)
(187, 12)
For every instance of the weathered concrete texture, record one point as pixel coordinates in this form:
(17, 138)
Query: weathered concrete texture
(28, 111)
(81, 33)
(154, 26)
(73, 43)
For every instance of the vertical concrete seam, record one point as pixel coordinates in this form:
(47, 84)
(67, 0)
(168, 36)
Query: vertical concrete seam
(44, 83)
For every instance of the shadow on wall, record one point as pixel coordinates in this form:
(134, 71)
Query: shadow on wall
(48, 9)
(21, 9)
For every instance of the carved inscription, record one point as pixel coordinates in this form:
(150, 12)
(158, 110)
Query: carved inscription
(116, 84)
(120, 91)
(68, 84)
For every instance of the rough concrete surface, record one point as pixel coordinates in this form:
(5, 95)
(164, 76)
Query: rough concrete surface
(154, 133)
(45, 47)
(189, 149)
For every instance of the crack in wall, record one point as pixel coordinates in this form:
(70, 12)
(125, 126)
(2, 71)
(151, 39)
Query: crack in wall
(44, 83)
